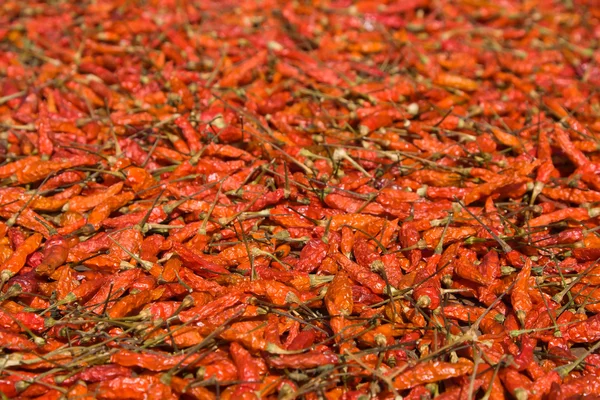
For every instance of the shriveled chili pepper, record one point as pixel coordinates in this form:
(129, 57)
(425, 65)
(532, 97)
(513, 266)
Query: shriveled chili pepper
(427, 291)
(184, 387)
(248, 370)
(197, 263)
(516, 383)
(82, 203)
(155, 361)
(360, 274)
(17, 260)
(55, 253)
(45, 144)
(309, 359)
(339, 301)
(432, 371)
(312, 255)
(133, 302)
(39, 169)
(133, 388)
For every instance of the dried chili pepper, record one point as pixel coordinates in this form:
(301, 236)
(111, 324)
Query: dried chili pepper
(17, 260)
(432, 371)
(250, 201)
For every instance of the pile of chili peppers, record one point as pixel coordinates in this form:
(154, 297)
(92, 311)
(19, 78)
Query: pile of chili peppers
(325, 199)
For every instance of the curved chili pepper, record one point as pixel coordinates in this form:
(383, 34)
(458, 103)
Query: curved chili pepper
(427, 291)
(55, 254)
(17, 260)
(432, 371)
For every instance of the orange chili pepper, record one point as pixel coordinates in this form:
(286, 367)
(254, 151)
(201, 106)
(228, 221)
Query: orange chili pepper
(431, 371)
(17, 260)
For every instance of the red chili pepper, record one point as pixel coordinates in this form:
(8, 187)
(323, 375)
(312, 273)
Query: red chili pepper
(212, 308)
(311, 256)
(198, 263)
(184, 387)
(133, 302)
(339, 301)
(39, 169)
(45, 144)
(17, 261)
(99, 373)
(111, 290)
(238, 73)
(15, 322)
(427, 291)
(362, 275)
(248, 370)
(55, 254)
(189, 133)
(432, 371)
(84, 203)
(309, 359)
(576, 214)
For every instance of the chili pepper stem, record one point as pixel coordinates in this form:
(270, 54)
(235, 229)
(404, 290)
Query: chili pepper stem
(341, 154)
(4, 277)
(423, 301)
(245, 215)
(565, 370)
(505, 247)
